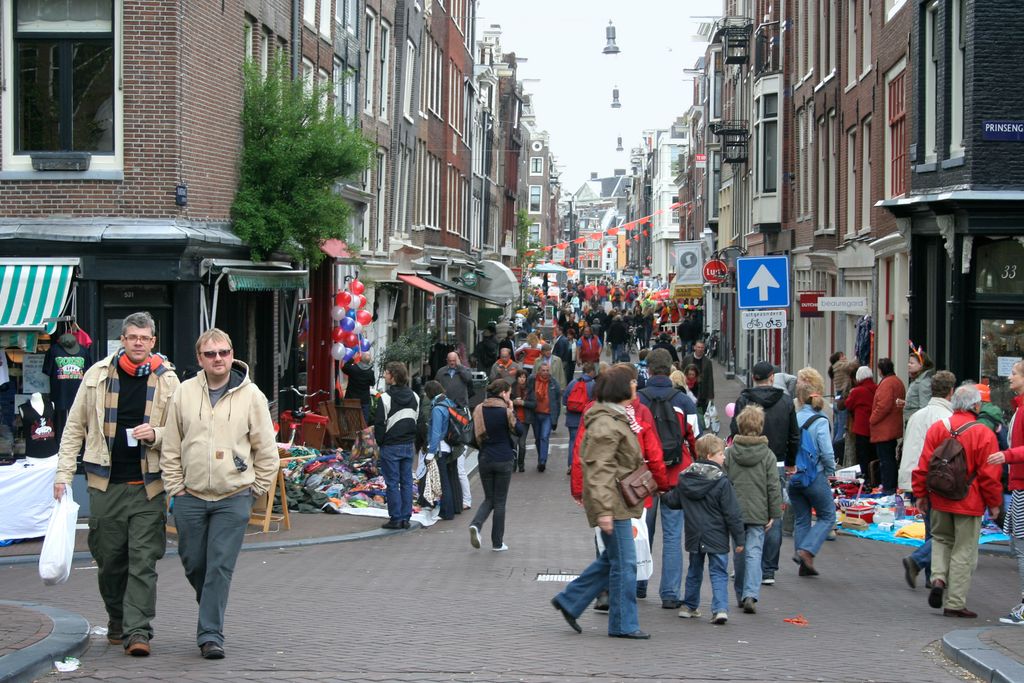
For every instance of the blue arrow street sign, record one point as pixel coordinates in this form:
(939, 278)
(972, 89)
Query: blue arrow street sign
(763, 282)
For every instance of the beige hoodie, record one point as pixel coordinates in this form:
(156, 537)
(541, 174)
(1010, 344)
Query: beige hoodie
(216, 452)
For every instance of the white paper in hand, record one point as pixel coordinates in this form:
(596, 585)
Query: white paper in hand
(59, 544)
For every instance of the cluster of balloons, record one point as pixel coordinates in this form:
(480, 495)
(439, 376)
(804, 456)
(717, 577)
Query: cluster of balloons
(349, 313)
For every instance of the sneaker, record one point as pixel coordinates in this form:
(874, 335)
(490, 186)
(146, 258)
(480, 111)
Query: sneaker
(720, 618)
(749, 605)
(910, 571)
(474, 536)
(502, 549)
(1016, 616)
(768, 581)
(689, 613)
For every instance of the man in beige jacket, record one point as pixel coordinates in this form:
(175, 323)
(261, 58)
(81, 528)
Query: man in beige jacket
(118, 415)
(219, 452)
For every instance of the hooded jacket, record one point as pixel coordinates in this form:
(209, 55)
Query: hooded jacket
(360, 380)
(886, 418)
(859, 403)
(779, 420)
(1015, 453)
(913, 436)
(711, 511)
(754, 474)
(213, 452)
(609, 452)
(85, 426)
(394, 421)
(658, 387)
(918, 394)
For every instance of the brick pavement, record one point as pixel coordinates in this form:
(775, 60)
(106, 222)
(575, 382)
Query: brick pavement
(425, 606)
(20, 627)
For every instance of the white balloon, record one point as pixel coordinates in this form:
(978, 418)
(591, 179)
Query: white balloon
(337, 313)
(338, 351)
(358, 329)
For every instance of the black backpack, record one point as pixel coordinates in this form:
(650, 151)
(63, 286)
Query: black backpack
(666, 421)
(947, 468)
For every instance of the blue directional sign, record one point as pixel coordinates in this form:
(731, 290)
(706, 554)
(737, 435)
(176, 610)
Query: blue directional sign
(762, 282)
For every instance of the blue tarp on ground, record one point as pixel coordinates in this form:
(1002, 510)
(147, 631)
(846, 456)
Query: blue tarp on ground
(876, 534)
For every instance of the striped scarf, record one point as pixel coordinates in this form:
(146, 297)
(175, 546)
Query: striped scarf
(114, 389)
(631, 416)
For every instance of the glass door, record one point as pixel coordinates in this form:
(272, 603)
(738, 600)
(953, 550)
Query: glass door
(1001, 345)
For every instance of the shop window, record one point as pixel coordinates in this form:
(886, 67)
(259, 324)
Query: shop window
(999, 268)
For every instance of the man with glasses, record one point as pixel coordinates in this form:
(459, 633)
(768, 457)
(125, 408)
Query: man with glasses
(219, 453)
(118, 414)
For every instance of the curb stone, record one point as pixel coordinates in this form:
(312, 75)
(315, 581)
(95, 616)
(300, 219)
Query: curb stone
(965, 647)
(69, 638)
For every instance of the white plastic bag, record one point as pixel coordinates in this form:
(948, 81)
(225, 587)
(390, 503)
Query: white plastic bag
(59, 544)
(711, 423)
(644, 560)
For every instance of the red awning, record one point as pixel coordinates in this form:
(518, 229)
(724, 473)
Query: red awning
(335, 248)
(420, 283)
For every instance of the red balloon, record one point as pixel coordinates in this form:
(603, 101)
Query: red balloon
(350, 339)
(337, 334)
(358, 301)
(356, 287)
(343, 299)
(356, 358)
(364, 317)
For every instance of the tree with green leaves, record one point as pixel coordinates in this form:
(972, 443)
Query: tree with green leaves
(524, 243)
(295, 148)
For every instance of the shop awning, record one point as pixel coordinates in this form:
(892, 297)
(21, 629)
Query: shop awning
(464, 291)
(420, 283)
(33, 292)
(247, 280)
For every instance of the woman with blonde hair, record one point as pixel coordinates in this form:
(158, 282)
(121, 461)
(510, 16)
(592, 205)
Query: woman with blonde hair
(529, 351)
(808, 538)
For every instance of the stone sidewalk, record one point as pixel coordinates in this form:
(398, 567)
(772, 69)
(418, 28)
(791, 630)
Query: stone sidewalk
(423, 605)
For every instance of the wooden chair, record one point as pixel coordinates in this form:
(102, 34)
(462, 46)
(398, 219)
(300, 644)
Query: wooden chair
(350, 422)
(327, 409)
(263, 507)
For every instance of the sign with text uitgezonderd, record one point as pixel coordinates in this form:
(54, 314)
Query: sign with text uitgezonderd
(763, 319)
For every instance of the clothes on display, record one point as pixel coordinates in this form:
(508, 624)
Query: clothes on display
(862, 346)
(5, 373)
(40, 434)
(65, 364)
(26, 498)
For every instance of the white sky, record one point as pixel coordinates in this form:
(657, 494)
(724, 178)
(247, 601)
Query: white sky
(562, 41)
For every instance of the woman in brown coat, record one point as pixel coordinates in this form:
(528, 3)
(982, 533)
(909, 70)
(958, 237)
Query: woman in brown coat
(609, 452)
(887, 423)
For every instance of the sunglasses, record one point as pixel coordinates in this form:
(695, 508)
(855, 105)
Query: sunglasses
(223, 353)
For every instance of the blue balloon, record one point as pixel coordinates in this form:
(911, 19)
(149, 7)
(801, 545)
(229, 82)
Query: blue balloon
(348, 324)
(365, 345)
(348, 354)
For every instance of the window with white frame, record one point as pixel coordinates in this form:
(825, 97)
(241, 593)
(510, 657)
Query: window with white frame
(767, 140)
(62, 61)
(896, 138)
(325, 18)
(385, 70)
(931, 69)
(851, 42)
(823, 39)
(370, 58)
(351, 20)
(892, 7)
(833, 36)
(309, 12)
(382, 182)
(308, 76)
(716, 182)
(865, 175)
(323, 82)
(535, 233)
(956, 80)
(851, 181)
(265, 41)
(248, 39)
(536, 192)
(408, 71)
(800, 39)
(718, 78)
(536, 165)
(801, 162)
(821, 183)
(833, 156)
(467, 107)
(865, 36)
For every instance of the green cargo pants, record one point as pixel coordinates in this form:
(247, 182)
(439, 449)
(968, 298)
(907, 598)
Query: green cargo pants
(954, 554)
(127, 535)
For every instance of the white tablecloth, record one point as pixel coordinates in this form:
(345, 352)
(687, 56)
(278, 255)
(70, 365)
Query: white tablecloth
(26, 497)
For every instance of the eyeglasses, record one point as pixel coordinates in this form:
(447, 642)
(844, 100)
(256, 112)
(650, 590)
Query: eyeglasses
(133, 338)
(223, 353)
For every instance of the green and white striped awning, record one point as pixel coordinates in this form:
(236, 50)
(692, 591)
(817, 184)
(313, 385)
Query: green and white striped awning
(33, 293)
(252, 280)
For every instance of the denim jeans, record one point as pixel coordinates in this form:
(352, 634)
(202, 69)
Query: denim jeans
(495, 478)
(671, 553)
(818, 496)
(396, 466)
(210, 534)
(773, 542)
(748, 564)
(542, 433)
(718, 568)
(614, 570)
(922, 555)
(572, 440)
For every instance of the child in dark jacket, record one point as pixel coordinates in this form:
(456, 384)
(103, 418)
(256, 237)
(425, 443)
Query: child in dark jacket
(712, 515)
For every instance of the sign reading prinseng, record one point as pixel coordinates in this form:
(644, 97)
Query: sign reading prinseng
(1002, 131)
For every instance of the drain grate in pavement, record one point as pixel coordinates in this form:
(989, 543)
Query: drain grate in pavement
(562, 578)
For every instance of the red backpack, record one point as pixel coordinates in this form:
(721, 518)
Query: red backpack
(590, 349)
(578, 399)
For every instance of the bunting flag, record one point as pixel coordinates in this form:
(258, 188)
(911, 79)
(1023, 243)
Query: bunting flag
(645, 233)
(612, 231)
(531, 252)
(676, 205)
(563, 245)
(636, 238)
(580, 240)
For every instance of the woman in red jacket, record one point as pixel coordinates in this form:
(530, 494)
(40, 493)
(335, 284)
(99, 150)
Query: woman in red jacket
(1014, 455)
(859, 403)
(887, 423)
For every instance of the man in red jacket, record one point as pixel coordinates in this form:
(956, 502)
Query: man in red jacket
(1014, 455)
(957, 523)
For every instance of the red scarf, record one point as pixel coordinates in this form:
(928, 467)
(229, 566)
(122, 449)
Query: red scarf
(139, 369)
(541, 392)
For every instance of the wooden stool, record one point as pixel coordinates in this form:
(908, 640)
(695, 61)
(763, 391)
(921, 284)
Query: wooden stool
(263, 508)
